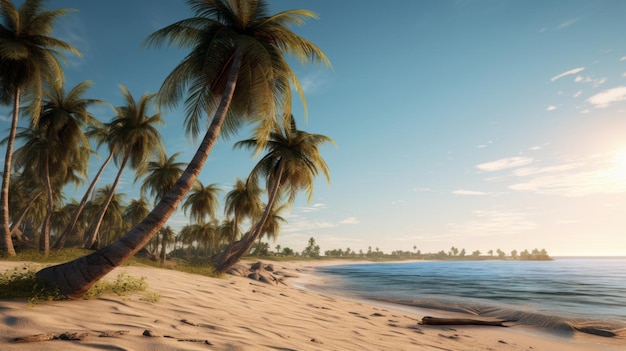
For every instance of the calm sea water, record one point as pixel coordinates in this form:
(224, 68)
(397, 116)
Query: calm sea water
(569, 295)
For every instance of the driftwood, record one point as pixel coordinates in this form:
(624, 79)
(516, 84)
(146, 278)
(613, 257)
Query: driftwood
(460, 321)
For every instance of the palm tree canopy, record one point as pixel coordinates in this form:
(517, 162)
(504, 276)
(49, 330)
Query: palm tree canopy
(132, 133)
(29, 55)
(244, 200)
(220, 28)
(298, 151)
(202, 202)
(162, 174)
(136, 210)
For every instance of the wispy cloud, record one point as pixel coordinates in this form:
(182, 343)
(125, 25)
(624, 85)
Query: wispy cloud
(608, 97)
(528, 171)
(349, 220)
(468, 192)
(505, 163)
(567, 73)
(493, 222)
(551, 108)
(313, 208)
(312, 82)
(481, 146)
(568, 23)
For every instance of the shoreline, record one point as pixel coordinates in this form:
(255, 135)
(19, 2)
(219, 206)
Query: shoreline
(234, 313)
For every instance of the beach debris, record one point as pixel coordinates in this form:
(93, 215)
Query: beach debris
(68, 336)
(149, 333)
(428, 320)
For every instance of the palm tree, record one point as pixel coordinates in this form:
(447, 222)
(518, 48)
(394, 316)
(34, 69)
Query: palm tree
(167, 236)
(134, 139)
(271, 228)
(244, 201)
(29, 55)
(162, 175)
(202, 202)
(237, 67)
(56, 144)
(136, 210)
(100, 134)
(291, 164)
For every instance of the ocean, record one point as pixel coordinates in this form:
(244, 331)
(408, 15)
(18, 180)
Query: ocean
(564, 296)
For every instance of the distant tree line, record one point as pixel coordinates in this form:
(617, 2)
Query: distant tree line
(313, 250)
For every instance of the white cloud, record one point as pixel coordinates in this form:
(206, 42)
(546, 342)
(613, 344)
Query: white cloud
(623, 58)
(607, 97)
(567, 73)
(578, 93)
(349, 220)
(568, 23)
(485, 145)
(420, 190)
(313, 208)
(551, 108)
(534, 148)
(494, 222)
(527, 171)
(505, 163)
(468, 192)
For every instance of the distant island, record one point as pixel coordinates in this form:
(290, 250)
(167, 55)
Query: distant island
(454, 254)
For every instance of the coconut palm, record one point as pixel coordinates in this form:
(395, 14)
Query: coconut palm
(271, 228)
(244, 201)
(202, 202)
(162, 175)
(167, 236)
(227, 230)
(134, 139)
(237, 67)
(29, 55)
(136, 210)
(100, 134)
(63, 148)
(290, 165)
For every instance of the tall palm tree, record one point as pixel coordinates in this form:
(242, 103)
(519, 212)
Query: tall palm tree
(244, 201)
(202, 202)
(167, 236)
(62, 147)
(290, 165)
(134, 139)
(29, 55)
(136, 210)
(237, 67)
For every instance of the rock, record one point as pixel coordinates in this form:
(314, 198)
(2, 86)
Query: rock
(149, 333)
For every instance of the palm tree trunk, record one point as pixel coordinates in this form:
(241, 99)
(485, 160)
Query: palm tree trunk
(236, 250)
(16, 224)
(163, 248)
(6, 244)
(74, 278)
(95, 226)
(44, 239)
(58, 245)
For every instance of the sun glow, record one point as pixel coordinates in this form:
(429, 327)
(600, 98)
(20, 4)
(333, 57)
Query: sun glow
(619, 167)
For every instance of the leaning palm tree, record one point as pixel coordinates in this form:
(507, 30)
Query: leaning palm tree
(29, 55)
(290, 165)
(134, 139)
(244, 201)
(271, 228)
(202, 202)
(237, 70)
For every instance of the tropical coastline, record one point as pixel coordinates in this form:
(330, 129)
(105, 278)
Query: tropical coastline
(235, 313)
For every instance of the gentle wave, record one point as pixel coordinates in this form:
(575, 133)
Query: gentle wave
(560, 296)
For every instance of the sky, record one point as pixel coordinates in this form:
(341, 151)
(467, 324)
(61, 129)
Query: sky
(478, 124)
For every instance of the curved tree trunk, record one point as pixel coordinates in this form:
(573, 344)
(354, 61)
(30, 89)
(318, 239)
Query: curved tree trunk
(234, 251)
(16, 224)
(74, 278)
(44, 238)
(92, 233)
(72, 224)
(6, 243)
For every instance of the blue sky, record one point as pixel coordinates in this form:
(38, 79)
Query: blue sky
(476, 124)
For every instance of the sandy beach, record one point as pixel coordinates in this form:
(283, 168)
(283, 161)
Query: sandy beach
(235, 313)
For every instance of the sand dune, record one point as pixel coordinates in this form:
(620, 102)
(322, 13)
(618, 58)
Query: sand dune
(235, 313)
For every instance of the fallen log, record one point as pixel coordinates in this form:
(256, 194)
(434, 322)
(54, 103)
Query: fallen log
(460, 321)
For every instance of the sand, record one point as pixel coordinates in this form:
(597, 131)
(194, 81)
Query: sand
(234, 313)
